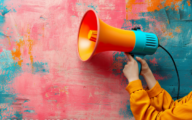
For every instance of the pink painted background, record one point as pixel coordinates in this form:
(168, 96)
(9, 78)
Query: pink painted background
(43, 76)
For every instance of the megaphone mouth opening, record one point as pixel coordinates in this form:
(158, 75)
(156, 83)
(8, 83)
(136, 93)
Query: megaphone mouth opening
(87, 44)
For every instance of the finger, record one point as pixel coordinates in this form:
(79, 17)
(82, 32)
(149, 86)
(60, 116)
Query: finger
(130, 57)
(126, 54)
(140, 60)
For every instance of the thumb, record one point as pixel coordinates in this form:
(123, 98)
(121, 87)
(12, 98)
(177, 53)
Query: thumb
(140, 60)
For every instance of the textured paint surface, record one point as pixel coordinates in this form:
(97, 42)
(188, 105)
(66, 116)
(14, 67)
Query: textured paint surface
(41, 76)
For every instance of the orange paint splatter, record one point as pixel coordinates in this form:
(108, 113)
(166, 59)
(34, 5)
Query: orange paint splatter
(172, 2)
(169, 34)
(150, 5)
(188, 2)
(30, 45)
(30, 49)
(154, 5)
(20, 46)
(158, 4)
(178, 30)
(129, 8)
(17, 53)
(129, 5)
(9, 40)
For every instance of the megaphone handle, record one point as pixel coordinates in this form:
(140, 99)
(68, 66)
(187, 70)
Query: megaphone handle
(139, 64)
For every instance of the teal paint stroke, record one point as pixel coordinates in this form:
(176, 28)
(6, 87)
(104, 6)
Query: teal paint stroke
(3, 10)
(126, 113)
(29, 111)
(119, 58)
(39, 67)
(94, 7)
(8, 71)
(186, 10)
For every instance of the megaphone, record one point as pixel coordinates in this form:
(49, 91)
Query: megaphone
(95, 36)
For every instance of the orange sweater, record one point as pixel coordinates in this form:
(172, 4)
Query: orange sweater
(157, 104)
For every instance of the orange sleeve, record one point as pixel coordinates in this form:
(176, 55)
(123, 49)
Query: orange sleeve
(143, 110)
(160, 98)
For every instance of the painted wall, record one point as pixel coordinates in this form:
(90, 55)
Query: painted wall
(41, 76)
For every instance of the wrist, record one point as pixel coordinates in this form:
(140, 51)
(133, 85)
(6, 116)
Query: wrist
(133, 79)
(150, 79)
(147, 74)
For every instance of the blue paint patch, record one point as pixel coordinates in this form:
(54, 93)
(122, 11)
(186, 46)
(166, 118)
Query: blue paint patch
(93, 7)
(121, 59)
(14, 10)
(16, 116)
(173, 14)
(78, 3)
(186, 10)
(3, 10)
(8, 71)
(160, 15)
(127, 113)
(29, 111)
(39, 67)
(8, 68)
(143, 23)
(41, 17)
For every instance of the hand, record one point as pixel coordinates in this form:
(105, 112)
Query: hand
(145, 68)
(131, 70)
(147, 73)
